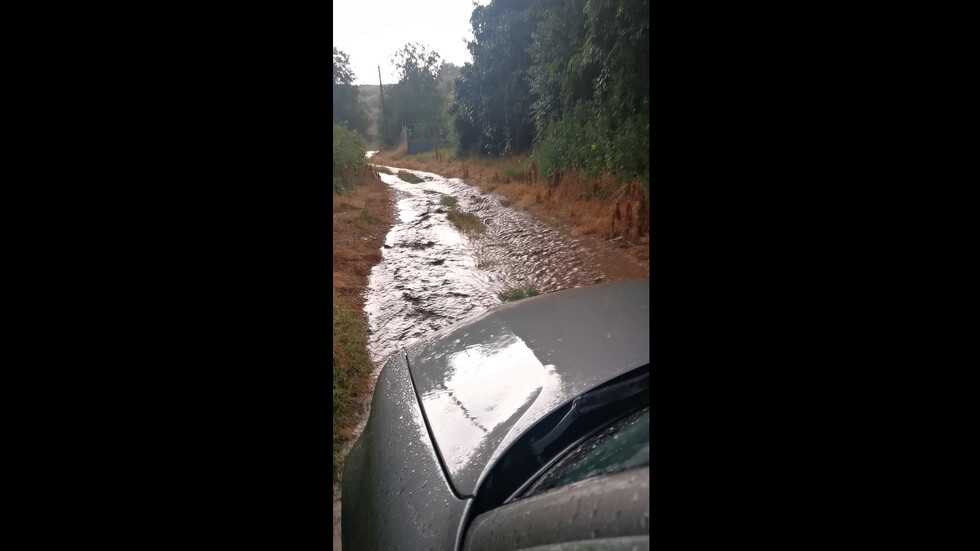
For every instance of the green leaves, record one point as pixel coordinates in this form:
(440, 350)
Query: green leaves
(342, 73)
(565, 75)
(416, 65)
(348, 156)
(346, 111)
(619, 149)
(494, 92)
(417, 100)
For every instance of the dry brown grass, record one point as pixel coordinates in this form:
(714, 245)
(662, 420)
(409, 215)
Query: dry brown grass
(399, 152)
(361, 219)
(599, 207)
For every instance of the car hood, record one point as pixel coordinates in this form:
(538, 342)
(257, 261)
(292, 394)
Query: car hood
(485, 382)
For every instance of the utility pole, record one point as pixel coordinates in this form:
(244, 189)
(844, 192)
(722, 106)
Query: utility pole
(384, 121)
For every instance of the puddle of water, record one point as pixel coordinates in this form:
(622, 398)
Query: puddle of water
(432, 276)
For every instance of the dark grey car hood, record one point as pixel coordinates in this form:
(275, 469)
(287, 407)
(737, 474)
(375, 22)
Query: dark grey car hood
(485, 382)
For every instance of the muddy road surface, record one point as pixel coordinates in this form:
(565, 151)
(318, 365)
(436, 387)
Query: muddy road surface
(433, 275)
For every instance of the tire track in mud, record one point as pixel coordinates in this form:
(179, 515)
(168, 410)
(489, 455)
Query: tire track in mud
(432, 275)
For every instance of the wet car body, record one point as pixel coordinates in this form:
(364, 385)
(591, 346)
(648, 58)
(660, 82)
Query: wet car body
(463, 423)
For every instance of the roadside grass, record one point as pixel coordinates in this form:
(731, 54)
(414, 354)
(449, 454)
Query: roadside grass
(399, 152)
(350, 362)
(380, 169)
(465, 221)
(362, 213)
(448, 200)
(514, 171)
(445, 155)
(409, 177)
(367, 221)
(430, 191)
(517, 293)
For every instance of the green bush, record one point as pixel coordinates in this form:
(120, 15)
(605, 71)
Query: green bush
(448, 200)
(514, 171)
(348, 156)
(583, 141)
(465, 221)
(517, 293)
(409, 177)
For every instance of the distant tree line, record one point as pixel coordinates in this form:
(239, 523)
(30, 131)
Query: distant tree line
(418, 99)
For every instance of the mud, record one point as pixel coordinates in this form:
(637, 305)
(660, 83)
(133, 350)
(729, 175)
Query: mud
(432, 275)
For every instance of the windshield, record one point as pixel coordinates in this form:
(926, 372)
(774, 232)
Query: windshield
(624, 445)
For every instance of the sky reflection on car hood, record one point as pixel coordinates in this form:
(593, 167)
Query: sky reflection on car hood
(485, 383)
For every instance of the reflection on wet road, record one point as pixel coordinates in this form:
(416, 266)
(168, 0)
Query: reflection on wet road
(432, 275)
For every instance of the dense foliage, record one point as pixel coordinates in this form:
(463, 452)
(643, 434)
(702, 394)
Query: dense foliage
(570, 77)
(492, 102)
(417, 100)
(346, 111)
(348, 156)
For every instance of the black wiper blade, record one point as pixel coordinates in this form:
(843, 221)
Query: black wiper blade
(590, 401)
(566, 421)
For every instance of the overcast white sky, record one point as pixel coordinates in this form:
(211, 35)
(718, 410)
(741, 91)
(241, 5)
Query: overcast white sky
(370, 31)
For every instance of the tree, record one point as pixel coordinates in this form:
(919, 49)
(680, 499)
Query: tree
(569, 76)
(492, 93)
(591, 81)
(345, 107)
(618, 40)
(417, 101)
(416, 64)
(556, 81)
(446, 77)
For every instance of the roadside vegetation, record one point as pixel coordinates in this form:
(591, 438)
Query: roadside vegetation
(409, 177)
(348, 158)
(517, 293)
(465, 222)
(346, 109)
(350, 363)
(362, 213)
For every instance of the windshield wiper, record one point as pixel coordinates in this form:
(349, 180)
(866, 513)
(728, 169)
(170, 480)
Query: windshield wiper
(591, 401)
